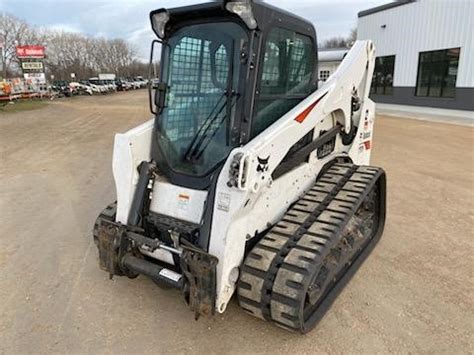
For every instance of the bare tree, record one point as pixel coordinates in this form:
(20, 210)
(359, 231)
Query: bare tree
(135, 68)
(68, 52)
(353, 35)
(335, 42)
(341, 42)
(12, 33)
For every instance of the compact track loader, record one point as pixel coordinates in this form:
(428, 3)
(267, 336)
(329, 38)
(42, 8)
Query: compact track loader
(252, 178)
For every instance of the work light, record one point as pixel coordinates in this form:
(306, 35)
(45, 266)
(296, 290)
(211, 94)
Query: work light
(158, 22)
(243, 9)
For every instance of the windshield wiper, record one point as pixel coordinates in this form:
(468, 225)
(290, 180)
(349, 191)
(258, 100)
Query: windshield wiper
(193, 146)
(198, 152)
(193, 154)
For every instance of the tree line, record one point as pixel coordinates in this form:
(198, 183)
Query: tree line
(67, 52)
(341, 42)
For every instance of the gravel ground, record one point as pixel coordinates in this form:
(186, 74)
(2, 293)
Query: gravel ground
(413, 294)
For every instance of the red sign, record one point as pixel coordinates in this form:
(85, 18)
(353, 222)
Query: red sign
(30, 51)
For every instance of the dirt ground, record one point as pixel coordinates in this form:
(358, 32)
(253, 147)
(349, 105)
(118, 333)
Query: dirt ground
(413, 294)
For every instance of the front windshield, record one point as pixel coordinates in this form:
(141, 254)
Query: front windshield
(201, 68)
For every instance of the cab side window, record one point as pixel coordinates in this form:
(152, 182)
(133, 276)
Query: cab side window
(285, 78)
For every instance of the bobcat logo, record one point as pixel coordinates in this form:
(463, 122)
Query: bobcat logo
(262, 164)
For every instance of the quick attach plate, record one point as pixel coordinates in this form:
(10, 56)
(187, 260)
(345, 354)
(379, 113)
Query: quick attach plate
(199, 269)
(112, 244)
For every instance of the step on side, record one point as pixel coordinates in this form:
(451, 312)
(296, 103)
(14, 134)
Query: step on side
(292, 275)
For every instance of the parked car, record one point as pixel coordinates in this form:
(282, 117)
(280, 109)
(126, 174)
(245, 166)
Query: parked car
(62, 88)
(104, 88)
(122, 85)
(134, 84)
(126, 85)
(81, 88)
(96, 89)
(111, 85)
(142, 82)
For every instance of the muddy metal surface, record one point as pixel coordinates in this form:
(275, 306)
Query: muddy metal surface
(413, 294)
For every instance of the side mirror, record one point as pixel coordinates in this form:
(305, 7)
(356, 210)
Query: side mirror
(155, 95)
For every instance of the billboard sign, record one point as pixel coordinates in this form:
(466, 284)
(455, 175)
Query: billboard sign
(30, 51)
(33, 66)
(31, 61)
(35, 78)
(106, 76)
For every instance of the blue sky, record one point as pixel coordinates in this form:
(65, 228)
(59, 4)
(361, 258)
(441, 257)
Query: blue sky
(128, 19)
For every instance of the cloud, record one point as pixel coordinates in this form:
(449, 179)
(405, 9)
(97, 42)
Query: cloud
(65, 27)
(140, 40)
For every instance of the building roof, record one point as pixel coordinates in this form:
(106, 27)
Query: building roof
(332, 54)
(380, 8)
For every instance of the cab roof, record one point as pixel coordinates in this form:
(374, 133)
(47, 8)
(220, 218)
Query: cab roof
(265, 14)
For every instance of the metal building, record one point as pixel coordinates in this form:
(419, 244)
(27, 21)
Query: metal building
(425, 52)
(328, 61)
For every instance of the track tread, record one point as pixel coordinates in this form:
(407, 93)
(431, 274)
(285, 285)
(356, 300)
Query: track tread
(298, 255)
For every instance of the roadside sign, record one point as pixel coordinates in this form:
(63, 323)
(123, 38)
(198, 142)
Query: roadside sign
(107, 76)
(30, 51)
(31, 61)
(36, 78)
(32, 66)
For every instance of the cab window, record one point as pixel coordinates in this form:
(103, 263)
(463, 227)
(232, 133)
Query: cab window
(285, 77)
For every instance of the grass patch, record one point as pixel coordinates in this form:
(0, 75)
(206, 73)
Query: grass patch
(22, 105)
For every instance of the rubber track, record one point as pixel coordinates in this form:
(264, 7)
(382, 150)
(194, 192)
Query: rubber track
(291, 257)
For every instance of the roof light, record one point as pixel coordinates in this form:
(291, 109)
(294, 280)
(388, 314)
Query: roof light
(158, 22)
(243, 9)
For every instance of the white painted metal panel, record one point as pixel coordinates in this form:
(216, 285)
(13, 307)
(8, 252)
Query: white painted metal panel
(421, 26)
(130, 149)
(178, 202)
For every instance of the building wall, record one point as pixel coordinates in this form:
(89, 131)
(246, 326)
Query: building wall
(331, 66)
(420, 26)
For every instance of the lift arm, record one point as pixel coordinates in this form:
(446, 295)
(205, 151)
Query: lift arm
(246, 183)
(334, 98)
